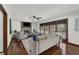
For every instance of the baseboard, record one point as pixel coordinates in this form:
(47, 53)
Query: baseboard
(73, 44)
(1, 52)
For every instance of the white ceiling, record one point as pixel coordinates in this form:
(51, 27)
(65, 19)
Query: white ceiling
(43, 10)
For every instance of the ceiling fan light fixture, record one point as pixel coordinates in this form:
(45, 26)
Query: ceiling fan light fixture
(35, 19)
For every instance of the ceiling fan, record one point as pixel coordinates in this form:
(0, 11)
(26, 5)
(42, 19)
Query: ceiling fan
(36, 18)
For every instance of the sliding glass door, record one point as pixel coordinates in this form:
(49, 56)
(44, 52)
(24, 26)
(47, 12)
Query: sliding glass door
(60, 27)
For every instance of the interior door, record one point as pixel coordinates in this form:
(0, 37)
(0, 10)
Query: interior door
(1, 31)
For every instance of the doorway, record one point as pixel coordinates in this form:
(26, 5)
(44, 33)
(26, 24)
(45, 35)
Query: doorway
(3, 29)
(62, 27)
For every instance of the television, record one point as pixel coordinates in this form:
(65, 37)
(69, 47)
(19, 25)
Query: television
(26, 24)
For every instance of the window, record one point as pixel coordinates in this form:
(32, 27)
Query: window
(47, 29)
(77, 24)
(61, 28)
(52, 28)
(42, 29)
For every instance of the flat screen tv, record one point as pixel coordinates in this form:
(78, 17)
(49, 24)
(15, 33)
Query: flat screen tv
(26, 24)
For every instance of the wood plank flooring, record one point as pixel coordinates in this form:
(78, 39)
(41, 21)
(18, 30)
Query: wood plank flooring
(16, 48)
(55, 50)
(72, 50)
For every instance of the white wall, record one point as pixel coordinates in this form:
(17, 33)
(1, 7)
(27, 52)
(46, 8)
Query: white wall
(1, 31)
(15, 24)
(73, 36)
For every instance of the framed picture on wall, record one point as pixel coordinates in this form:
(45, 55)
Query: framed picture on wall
(10, 26)
(77, 24)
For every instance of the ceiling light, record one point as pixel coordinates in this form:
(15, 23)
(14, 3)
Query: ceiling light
(35, 19)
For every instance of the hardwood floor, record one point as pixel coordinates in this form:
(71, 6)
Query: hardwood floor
(72, 50)
(16, 48)
(65, 49)
(69, 49)
(52, 51)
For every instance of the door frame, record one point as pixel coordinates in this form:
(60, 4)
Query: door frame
(4, 29)
(64, 21)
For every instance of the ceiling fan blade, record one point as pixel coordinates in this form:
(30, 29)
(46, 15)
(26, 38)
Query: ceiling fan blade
(38, 18)
(34, 16)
